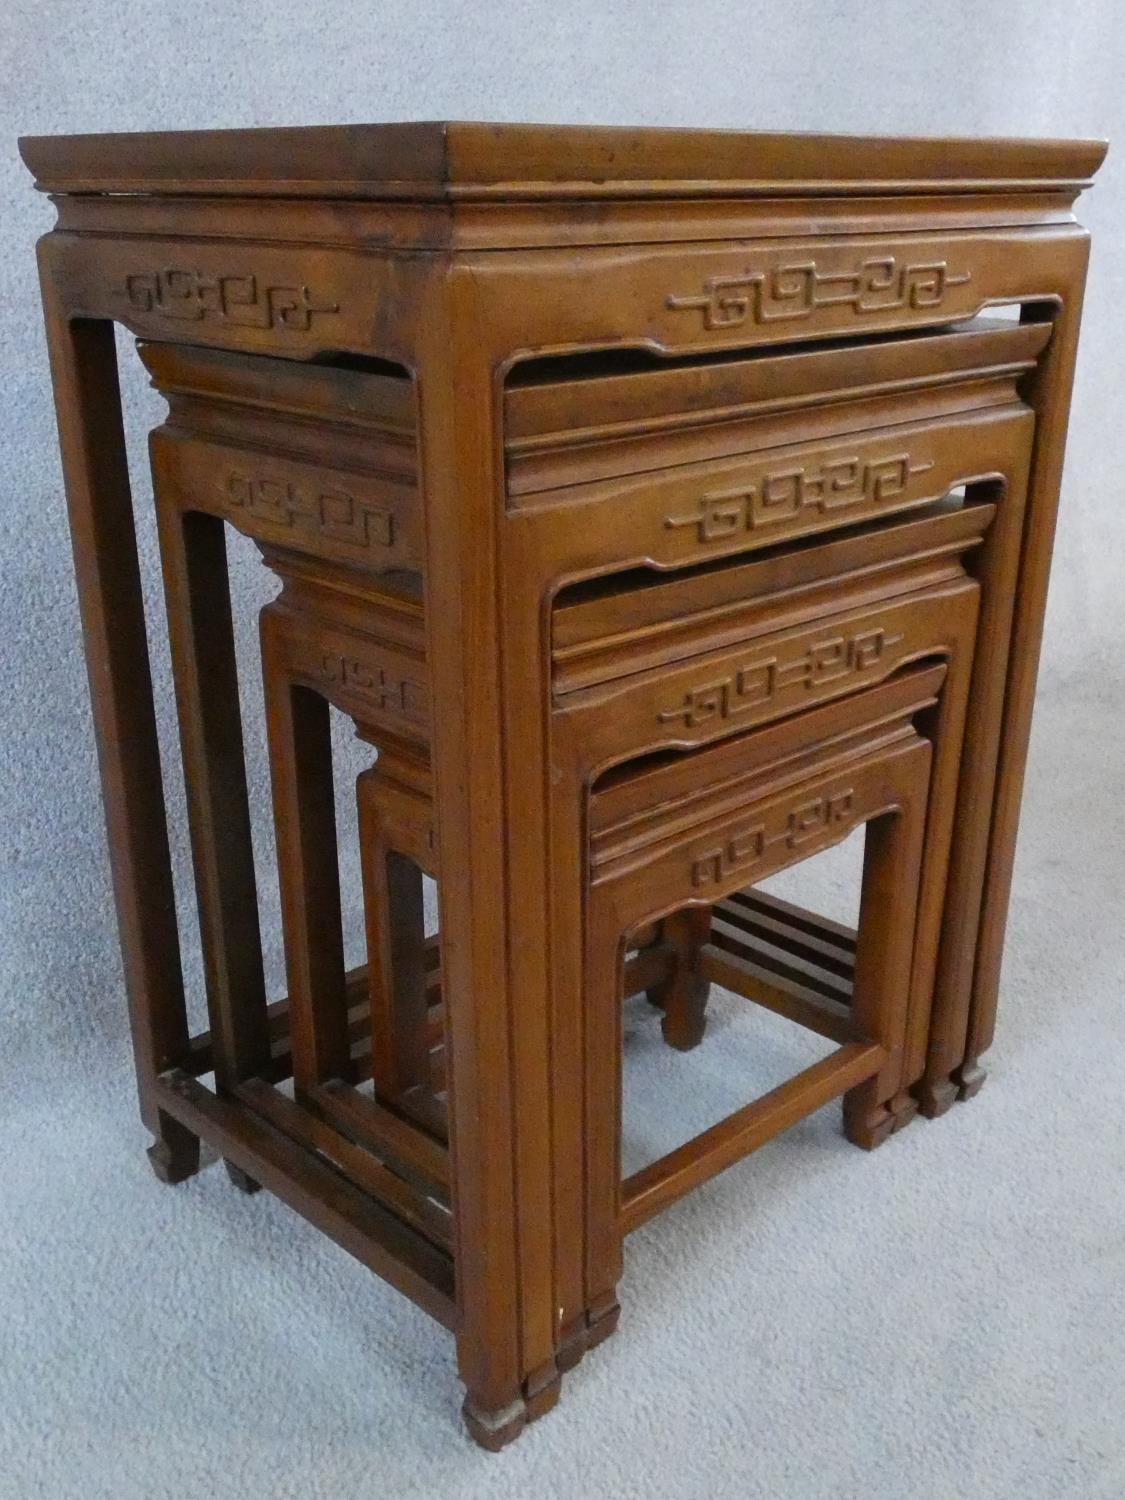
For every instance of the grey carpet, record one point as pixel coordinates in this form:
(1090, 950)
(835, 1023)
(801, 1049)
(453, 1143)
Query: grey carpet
(943, 1318)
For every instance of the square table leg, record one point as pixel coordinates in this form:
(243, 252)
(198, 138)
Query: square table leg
(96, 476)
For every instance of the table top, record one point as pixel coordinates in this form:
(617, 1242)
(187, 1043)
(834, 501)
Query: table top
(428, 160)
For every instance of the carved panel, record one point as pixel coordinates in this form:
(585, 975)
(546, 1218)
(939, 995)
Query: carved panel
(728, 836)
(354, 518)
(374, 683)
(817, 818)
(365, 680)
(783, 493)
(313, 509)
(791, 671)
(798, 289)
(687, 512)
(181, 295)
(693, 702)
(272, 298)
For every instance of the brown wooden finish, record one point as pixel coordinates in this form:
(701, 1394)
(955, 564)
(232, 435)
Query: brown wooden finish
(841, 631)
(660, 1184)
(682, 994)
(1051, 391)
(768, 807)
(376, 1237)
(595, 465)
(197, 595)
(402, 160)
(396, 942)
(362, 1166)
(609, 481)
(84, 371)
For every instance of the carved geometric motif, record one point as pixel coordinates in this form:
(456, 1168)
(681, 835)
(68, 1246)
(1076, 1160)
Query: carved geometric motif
(807, 821)
(799, 289)
(765, 679)
(782, 494)
(375, 685)
(334, 514)
(191, 296)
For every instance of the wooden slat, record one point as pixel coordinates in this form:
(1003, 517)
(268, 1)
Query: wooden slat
(785, 997)
(799, 917)
(368, 1173)
(318, 1192)
(779, 933)
(653, 1188)
(731, 940)
(643, 970)
(200, 1059)
(375, 1127)
(421, 1102)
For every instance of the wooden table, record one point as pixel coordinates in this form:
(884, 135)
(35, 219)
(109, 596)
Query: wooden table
(446, 375)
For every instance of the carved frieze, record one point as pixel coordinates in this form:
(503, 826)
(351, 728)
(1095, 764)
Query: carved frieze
(362, 680)
(785, 673)
(798, 289)
(180, 295)
(785, 492)
(820, 817)
(312, 510)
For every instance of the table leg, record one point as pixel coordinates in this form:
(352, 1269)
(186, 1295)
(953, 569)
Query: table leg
(95, 471)
(498, 1068)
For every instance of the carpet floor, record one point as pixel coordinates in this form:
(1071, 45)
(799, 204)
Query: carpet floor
(943, 1317)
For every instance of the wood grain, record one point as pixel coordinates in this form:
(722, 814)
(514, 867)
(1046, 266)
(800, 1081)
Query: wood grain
(660, 507)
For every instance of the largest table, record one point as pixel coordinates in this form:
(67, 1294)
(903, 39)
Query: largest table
(454, 252)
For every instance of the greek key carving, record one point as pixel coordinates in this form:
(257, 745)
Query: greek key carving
(812, 819)
(799, 289)
(836, 483)
(375, 685)
(766, 679)
(334, 514)
(182, 296)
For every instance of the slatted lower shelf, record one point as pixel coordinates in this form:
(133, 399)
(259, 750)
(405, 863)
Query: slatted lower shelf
(302, 1176)
(377, 1180)
(801, 966)
(644, 970)
(785, 958)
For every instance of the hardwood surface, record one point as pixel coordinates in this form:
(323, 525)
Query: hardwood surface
(660, 506)
(404, 160)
